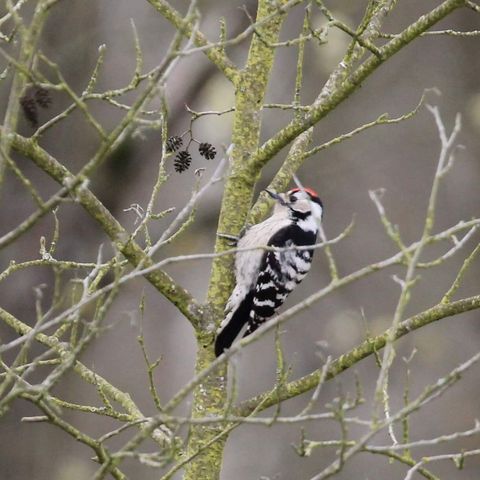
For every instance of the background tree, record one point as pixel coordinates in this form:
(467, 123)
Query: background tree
(104, 263)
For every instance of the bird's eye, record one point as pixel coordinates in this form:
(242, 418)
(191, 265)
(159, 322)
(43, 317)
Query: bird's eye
(293, 198)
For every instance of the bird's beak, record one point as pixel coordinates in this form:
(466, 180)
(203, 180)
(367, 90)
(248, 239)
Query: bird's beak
(276, 196)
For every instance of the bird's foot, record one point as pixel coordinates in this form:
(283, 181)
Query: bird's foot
(232, 239)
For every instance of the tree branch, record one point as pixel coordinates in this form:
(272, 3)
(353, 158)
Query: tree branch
(63, 350)
(351, 83)
(365, 349)
(176, 294)
(216, 55)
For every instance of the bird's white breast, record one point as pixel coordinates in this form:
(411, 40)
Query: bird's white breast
(247, 263)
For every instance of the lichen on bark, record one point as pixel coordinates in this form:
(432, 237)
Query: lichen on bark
(250, 87)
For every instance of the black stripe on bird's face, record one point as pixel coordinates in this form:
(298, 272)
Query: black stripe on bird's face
(299, 215)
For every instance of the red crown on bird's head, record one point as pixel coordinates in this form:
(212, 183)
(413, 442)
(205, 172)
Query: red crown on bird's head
(311, 191)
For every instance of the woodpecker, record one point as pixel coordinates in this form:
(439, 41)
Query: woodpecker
(265, 278)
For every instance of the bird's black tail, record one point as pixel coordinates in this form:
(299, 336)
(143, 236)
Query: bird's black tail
(231, 330)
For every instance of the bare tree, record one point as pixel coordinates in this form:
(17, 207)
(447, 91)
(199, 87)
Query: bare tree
(36, 363)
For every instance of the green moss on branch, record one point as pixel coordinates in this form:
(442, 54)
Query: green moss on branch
(351, 358)
(176, 294)
(251, 84)
(216, 55)
(353, 82)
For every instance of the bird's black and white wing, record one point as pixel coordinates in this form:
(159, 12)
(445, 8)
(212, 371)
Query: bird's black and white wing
(263, 289)
(280, 272)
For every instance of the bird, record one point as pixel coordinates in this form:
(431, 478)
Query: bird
(264, 278)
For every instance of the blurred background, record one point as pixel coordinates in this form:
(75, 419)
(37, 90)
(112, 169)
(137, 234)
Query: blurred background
(400, 158)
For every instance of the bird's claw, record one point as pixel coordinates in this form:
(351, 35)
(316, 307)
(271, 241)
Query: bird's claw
(232, 239)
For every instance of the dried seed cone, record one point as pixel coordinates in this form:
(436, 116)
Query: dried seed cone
(174, 143)
(207, 150)
(182, 161)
